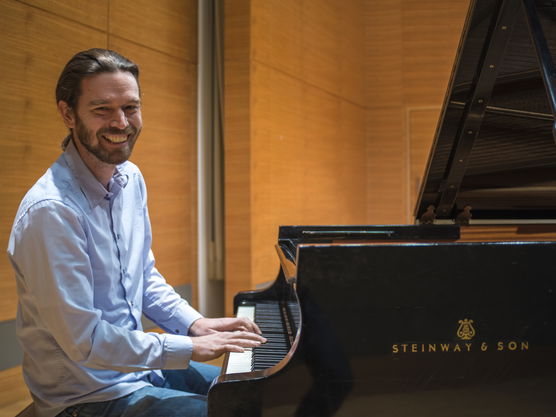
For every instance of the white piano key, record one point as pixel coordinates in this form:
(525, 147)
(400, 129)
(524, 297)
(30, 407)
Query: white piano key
(241, 362)
(246, 311)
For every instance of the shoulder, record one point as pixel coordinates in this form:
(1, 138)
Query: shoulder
(55, 189)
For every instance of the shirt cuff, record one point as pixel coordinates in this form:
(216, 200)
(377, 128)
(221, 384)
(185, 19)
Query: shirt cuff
(182, 320)
(177, 351)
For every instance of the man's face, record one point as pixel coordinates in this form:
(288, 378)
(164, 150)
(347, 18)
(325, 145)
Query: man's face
(107, 120)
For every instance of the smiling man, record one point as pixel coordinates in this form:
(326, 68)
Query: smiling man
(81, 250)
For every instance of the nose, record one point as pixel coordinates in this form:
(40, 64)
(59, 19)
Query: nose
(119, 120)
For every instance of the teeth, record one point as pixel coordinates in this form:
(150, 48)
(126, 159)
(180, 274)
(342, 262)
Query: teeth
(116, 139)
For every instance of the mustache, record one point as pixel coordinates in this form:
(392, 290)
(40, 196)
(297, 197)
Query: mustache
(129, 130)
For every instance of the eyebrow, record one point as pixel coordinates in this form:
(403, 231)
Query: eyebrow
(103, 101)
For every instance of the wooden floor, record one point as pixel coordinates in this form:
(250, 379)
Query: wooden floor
(14, 396)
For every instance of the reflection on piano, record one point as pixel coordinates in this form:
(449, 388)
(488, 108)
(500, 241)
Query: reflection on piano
(429, 320)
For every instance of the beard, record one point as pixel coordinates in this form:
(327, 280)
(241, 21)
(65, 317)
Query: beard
(103, 151)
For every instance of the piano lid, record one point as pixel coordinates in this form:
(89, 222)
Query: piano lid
(494, 148)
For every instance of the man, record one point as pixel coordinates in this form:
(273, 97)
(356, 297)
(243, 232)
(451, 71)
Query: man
(81, 249)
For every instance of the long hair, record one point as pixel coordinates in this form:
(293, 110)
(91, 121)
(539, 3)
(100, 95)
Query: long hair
(86, 64)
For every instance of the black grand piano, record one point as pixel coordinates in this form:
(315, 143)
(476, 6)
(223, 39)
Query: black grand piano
(447, 317)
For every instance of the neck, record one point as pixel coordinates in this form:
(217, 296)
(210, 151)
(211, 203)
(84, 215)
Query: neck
(102, 171)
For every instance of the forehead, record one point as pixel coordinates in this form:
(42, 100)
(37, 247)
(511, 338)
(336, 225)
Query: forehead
(109, 87)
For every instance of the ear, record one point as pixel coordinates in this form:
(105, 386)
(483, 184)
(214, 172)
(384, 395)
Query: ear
(67, 114)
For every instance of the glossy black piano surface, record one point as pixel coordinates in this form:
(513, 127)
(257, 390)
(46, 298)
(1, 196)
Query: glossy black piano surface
(429, 329)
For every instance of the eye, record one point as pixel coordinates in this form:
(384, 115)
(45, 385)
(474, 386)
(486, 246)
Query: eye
(101, 110)
(132, 108)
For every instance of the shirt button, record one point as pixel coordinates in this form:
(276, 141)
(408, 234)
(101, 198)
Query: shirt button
(118, 237)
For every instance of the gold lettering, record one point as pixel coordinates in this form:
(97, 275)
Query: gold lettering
(501, 345)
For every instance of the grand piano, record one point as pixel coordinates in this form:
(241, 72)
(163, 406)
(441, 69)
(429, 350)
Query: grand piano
(454, 315)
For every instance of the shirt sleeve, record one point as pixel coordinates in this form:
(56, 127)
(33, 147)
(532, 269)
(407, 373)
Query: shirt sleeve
(161, 303)
(48, 249)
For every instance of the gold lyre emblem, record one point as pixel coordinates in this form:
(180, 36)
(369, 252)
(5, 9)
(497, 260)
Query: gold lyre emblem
(466, 331)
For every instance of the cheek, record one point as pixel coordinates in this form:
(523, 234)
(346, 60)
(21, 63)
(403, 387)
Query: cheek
(136, 120)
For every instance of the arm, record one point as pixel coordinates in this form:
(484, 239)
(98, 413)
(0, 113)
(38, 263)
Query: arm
(49, 250)
(210, 337)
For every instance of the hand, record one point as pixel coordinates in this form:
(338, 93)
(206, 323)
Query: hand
(206, 326)
(216, 343)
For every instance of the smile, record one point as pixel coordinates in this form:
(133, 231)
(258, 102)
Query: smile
(115, 138)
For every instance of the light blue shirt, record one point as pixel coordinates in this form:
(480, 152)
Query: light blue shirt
(85, 273)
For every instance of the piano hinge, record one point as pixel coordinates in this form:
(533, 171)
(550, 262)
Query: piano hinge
(464, 216)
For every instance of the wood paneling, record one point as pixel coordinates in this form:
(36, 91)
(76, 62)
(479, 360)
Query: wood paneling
(430, 38)
(421, 124)
(303, 158)
(410, 49)
(237, 141)
(318, 42)
(168, 26)
(31, 128)
(86, 12)
(521, 233)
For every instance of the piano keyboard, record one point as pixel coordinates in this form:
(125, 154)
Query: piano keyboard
(278, 324)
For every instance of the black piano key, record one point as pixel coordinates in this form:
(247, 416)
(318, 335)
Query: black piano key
(271, 318)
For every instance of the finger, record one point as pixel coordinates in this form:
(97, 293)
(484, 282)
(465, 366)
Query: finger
(248, 336)
(250, 326)
(234, 348)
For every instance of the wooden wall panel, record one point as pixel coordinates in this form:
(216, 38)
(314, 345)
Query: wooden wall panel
(430, 38)
(421, 124)
(168, 26)
(319, 42)
(306, 129)
(237, 141)
(86, 12)
(31, 128)
(385, 129)
(410, 49)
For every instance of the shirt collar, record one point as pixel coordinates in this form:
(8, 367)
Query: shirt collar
(93, 190)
